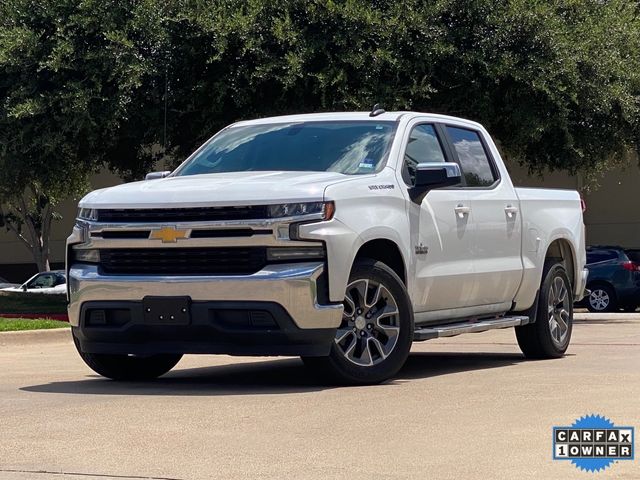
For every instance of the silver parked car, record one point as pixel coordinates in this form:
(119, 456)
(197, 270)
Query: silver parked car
(54, 282)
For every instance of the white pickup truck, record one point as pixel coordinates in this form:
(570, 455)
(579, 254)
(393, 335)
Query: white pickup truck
(338, 237)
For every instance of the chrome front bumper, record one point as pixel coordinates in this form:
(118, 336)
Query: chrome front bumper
(293, 286)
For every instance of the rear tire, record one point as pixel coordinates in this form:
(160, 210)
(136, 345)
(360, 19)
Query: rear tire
(128, 368)
(374, 339)
(550, 334)
(602, 299)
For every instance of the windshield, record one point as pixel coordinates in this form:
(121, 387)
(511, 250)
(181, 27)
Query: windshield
(349, 147)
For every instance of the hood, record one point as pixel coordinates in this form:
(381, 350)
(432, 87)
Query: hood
(216, 189)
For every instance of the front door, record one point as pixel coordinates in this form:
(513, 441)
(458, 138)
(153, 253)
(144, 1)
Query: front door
(441, 231)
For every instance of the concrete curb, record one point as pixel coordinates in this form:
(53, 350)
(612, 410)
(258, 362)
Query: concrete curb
(605, 316)
(35, 336)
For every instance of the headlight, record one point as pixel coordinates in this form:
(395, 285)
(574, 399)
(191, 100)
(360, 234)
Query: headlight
(325, 209)
(294, 253)
(86, 255)
(88, 214)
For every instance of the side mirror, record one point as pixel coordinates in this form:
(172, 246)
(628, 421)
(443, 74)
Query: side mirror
(156, 175)
(24, 288)
(430, 176)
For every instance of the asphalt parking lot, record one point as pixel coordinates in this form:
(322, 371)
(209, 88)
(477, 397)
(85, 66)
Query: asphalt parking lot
(469, 407)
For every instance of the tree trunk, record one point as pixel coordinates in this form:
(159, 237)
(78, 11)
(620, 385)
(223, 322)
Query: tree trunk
(41, 258)
(43, 261)
(47, 216)
(38, 228)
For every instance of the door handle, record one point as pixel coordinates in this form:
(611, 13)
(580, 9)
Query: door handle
(462, 210)
(510, 210)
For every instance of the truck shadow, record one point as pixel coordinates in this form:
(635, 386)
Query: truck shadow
(284, 376)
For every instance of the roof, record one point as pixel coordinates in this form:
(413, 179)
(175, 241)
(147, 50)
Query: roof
(610, 247)
(351, 116)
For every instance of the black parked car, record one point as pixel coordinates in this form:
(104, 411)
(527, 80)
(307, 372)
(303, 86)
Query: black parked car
(614, 278)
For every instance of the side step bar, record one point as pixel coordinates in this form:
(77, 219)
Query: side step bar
(471, 326)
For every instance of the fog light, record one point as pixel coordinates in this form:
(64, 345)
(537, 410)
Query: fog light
(97, 318)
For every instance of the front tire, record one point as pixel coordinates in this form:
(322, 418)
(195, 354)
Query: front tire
(373, 341)
(550, 334)
(128, 368)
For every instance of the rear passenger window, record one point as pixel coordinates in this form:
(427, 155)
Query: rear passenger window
(423, 147)
(474, 162)
(594, 258)
(601, 256)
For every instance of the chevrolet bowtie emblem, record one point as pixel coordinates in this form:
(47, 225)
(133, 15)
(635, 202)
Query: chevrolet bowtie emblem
(168, 234)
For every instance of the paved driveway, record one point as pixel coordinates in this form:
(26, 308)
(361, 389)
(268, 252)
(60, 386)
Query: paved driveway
(463, 408)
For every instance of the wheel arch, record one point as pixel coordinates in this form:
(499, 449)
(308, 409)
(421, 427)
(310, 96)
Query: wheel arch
(386, 251)
(561, 251)
(601, 282)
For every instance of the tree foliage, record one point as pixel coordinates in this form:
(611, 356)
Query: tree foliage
(556, 82)
(68, 72)
(123, 82)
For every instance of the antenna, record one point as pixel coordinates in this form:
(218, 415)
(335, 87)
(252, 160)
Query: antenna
(376, 110)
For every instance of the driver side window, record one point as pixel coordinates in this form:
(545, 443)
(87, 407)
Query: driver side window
(42, 281)
(423, 146)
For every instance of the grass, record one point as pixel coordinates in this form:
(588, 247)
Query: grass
(32, 303)
(15, 324)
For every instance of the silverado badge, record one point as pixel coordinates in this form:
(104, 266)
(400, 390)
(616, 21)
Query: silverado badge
(168, 234)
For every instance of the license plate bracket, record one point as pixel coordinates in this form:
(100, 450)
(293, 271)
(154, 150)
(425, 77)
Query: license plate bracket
(167, 310)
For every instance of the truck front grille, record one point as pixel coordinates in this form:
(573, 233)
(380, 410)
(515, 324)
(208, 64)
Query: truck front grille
(183, 261)
(204, 214)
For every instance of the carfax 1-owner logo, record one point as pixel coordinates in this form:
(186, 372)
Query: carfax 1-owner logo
(593, 443)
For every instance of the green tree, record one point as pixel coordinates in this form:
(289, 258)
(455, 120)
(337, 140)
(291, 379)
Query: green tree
(68, 73)
(555, 81)
(122, 83)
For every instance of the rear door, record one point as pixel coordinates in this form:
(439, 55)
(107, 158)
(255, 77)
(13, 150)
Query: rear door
(496, 245)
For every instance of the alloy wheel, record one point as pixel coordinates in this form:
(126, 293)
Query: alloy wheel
(599, 299)
(559, 314)
(370, 323)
